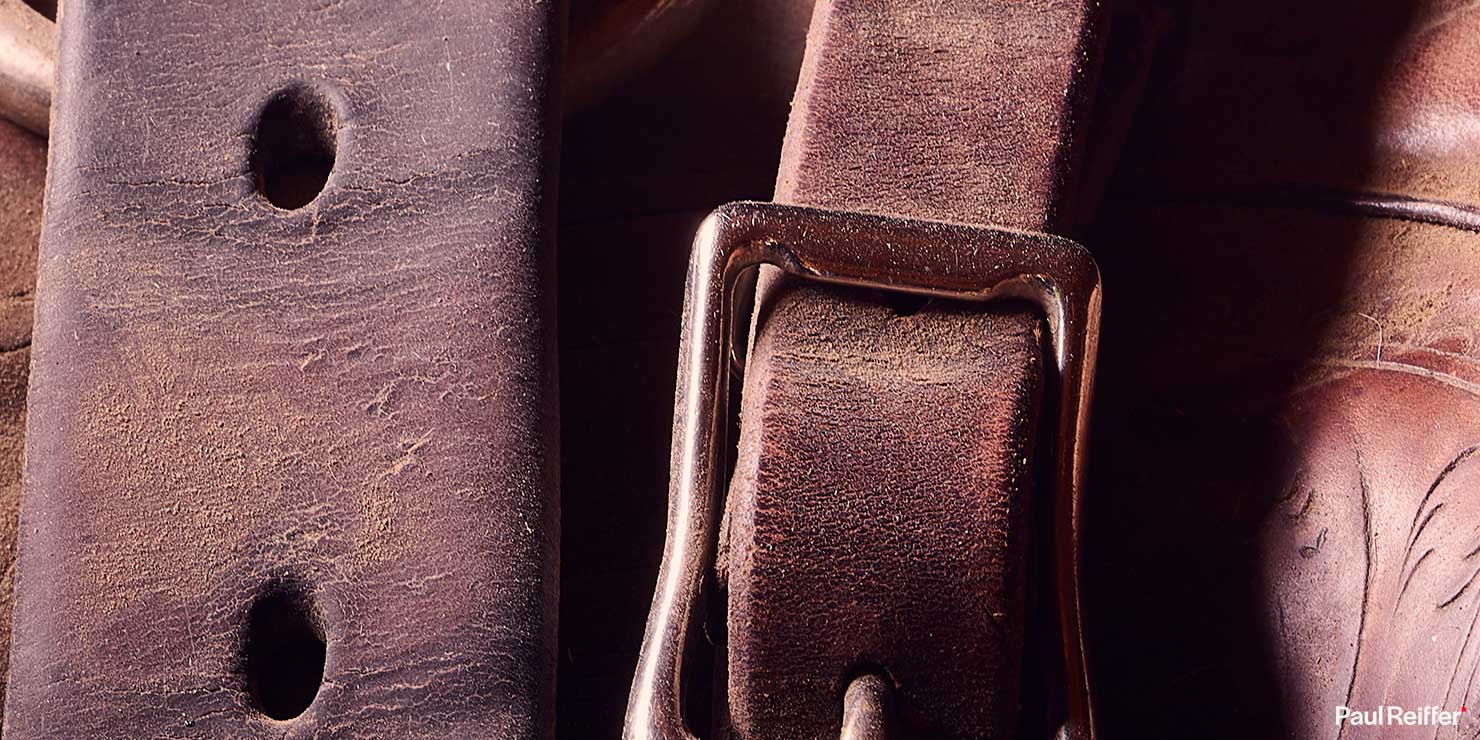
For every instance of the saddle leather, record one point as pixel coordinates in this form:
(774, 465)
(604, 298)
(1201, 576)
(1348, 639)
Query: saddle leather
(882, 510)
(1283, 473)
(252, 428)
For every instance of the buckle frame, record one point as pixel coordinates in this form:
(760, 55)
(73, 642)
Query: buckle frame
(970, 263)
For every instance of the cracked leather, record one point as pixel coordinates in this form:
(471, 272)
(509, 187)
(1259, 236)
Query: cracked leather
(1283, 511)
(880, 516)
(356, 397)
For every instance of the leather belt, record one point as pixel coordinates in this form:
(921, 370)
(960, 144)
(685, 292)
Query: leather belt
(881, 520)
(291, 452)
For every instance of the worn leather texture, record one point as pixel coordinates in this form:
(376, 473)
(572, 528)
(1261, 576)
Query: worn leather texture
(22, 176)
(881, 513)
(352, 402)
(1282, 511)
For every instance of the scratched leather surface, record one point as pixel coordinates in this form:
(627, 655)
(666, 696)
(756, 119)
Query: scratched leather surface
(356, 396)
(879, 516)
(22, 175)
(1282, 512)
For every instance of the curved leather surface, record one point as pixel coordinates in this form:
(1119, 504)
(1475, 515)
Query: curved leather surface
(354, 398)
(879, 517)
(1284, 517)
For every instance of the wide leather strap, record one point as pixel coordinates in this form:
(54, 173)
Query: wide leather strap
(882, 516)
(256, 429)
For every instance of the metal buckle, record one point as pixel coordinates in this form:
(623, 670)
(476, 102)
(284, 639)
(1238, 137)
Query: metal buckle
(970, 263)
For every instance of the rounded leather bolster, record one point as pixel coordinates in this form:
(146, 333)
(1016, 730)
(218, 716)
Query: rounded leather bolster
(352, 401)
(879, 517)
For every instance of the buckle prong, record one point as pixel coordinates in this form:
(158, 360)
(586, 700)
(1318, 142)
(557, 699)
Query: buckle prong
(968, 263)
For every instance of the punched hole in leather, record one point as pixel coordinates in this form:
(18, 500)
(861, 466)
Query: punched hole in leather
(283, 650)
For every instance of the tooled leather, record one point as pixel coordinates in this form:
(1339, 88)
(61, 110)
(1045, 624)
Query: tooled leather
(356, 396)
(879, 515)
(1286, 423)
(22, 174)
(1369, 96)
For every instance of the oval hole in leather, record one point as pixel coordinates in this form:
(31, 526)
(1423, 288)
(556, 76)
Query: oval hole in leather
(284, 650)
(294, 147)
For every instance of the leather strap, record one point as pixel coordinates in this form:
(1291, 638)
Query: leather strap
(256, 430)
(881, 516)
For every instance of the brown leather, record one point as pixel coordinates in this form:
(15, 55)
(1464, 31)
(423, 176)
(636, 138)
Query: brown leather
(880, 516)
(22, 174)
(1283, 518)
(344, 412)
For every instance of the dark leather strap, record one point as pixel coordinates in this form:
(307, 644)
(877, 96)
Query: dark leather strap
(254, 429)
(880, 518)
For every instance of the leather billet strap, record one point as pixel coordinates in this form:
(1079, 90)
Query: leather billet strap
(883, 516)
(252, 427)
